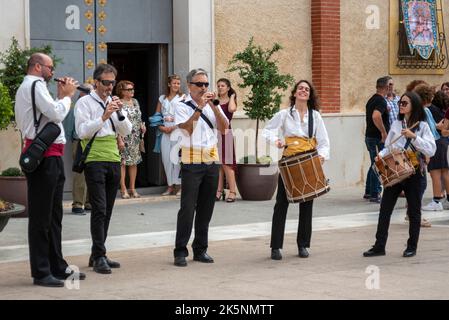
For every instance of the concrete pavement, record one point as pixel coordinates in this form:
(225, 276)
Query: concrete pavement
(142, 236)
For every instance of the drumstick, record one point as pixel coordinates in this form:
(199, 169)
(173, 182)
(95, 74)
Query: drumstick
(401, 135)
(392, 142)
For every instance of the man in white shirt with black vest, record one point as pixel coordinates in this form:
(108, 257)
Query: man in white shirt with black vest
(198, 120)
(96, 113)
(46, 183)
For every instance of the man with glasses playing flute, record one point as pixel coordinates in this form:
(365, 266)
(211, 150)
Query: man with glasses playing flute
(97, 114)
(198, 120)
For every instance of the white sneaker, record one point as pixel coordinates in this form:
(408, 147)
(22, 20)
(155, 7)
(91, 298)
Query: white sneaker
(433, 206)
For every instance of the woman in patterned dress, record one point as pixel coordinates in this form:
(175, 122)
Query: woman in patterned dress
(129, 145)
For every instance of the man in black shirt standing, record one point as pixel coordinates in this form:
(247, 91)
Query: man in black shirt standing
(377, 127)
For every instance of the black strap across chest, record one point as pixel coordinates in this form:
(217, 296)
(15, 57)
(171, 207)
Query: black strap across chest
(203, 116)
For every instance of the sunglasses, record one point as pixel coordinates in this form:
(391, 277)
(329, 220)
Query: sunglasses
(51, 68)
(403, 103)
(201, 84)
(107, 82)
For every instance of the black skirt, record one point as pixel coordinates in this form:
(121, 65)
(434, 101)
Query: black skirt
(439, 160)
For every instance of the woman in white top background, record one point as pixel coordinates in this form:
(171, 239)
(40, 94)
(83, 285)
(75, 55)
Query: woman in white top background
(411, 111)
(293, 123)
(166, 106)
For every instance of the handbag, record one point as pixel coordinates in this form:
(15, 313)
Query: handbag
(142, 144)
(31, 159)
(33, 156)
(79, 164)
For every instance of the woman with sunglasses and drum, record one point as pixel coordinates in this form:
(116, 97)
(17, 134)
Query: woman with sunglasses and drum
(411, 133)
(290, 130)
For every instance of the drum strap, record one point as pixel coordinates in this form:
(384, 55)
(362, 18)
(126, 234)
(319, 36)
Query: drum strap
(310, 122)
(409, 141)
(419, 157)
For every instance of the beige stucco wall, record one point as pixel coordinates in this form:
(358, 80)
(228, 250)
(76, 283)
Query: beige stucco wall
(13, 22)
(284, 21)
(365, 53)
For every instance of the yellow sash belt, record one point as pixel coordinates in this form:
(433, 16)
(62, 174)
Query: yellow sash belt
(304, 144)
(199, 155)
(413, 158)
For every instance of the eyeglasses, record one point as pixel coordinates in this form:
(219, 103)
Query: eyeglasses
(51, 68)
(201, 84)
(306, 89)
(129, 89)
(403, 103)
(107, 82)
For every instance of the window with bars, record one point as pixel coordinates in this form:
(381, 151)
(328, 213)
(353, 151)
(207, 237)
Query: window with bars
(408, 60)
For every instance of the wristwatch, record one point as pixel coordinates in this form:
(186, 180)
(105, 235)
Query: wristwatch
(199, 110)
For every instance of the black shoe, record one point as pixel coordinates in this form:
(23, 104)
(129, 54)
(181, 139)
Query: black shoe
(78, 211)
(203, 257)
(180, 262)
(276, 254)
(71, 273)
(303, 253)
(111, 263)
(409, 253)
(101, 266)
(87, 208)
(49, 281)
(376, 199)
(374, 252)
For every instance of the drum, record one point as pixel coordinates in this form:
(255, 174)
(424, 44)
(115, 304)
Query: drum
(393, 168)
(303, 177)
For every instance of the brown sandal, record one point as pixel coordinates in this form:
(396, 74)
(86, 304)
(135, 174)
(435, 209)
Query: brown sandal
(134, 193)
(220, 195)
(124, 194)
(228, 199)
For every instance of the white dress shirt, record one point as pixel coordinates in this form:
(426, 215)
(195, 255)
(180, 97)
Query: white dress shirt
(424, 142)
(283, 124)
(202, 136)
(88, 118)
(52, 110)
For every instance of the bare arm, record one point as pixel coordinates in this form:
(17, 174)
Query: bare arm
(188, 125)
(232, 107)
(377, 119)
(222, 121)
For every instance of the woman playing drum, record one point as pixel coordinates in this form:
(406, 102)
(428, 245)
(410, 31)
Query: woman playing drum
(418, 142)
(289, 129)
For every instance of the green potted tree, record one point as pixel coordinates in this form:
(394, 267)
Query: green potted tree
(13, 61)
(257, 177)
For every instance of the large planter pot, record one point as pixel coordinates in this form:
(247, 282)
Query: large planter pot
(5, 215)
(257, 182)
(14, 189)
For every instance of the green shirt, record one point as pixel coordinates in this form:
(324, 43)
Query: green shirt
(103, 149)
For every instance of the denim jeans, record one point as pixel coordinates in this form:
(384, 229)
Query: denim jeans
(372, 185)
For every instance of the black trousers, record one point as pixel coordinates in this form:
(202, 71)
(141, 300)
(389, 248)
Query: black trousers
(199, 186)
(412, 190)
(102, 180)
(280, 214)
(45, 188)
